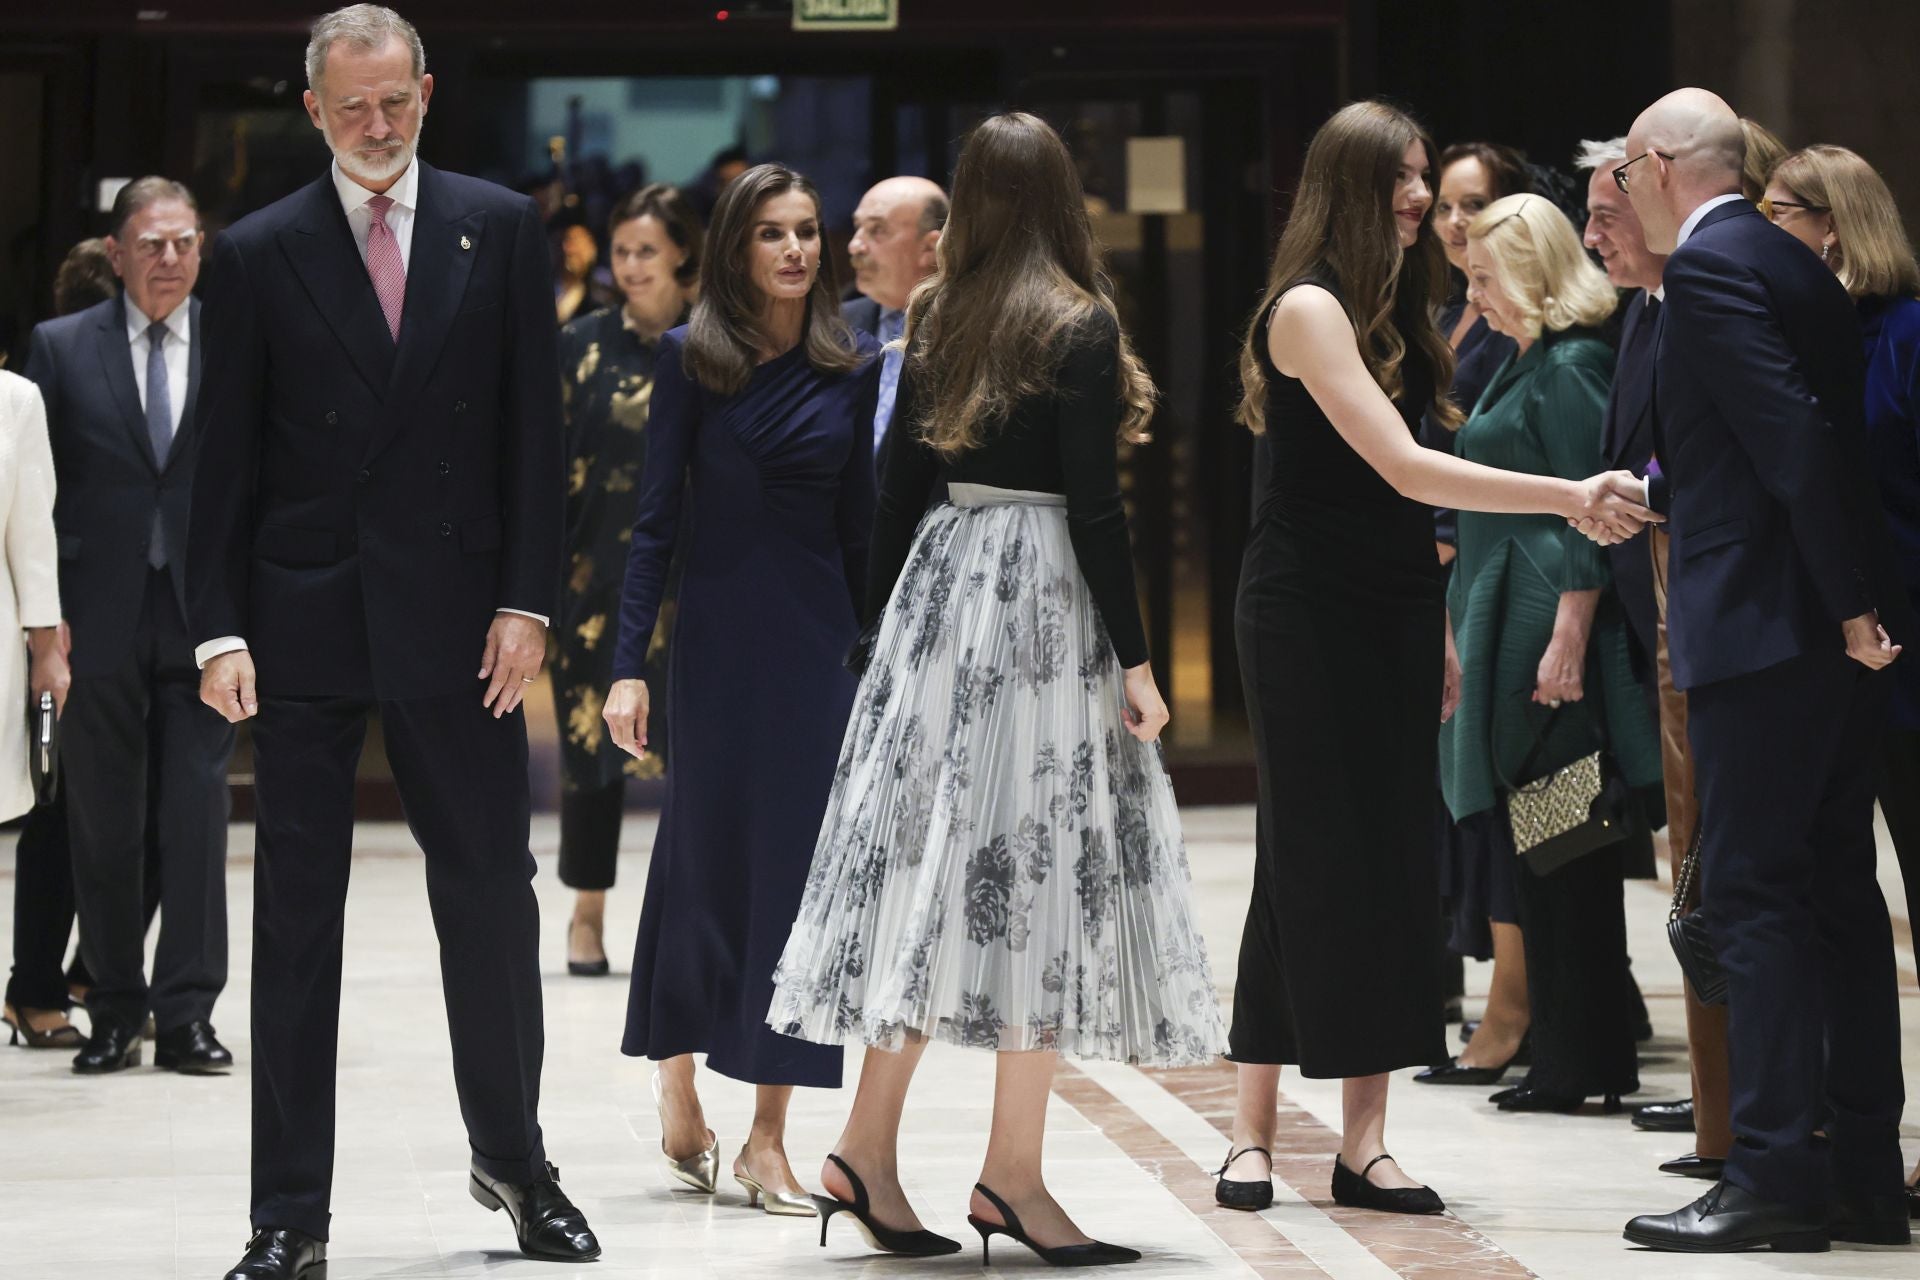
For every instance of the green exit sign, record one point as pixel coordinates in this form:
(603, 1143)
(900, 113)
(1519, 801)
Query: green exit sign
(846, 15)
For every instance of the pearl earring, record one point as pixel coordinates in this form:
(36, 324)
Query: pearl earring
(1825, 249)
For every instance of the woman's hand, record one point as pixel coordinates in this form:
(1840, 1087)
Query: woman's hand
(1611, 508)
(47, 670)
(1561, 678)
(1450, 683)
(1146, 712)
(626, 716)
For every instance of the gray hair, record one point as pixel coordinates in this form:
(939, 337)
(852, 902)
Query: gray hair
(140, 193)
(1593, 155)
(366, 27)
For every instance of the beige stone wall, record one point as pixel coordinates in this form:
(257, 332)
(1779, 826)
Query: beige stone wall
(1838, 71)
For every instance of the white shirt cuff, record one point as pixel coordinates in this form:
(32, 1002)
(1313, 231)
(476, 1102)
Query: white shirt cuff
(1646, 491)
(205, 653)
(540, 618)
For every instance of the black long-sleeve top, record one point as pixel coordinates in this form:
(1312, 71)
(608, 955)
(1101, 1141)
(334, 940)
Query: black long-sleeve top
(1061, 441)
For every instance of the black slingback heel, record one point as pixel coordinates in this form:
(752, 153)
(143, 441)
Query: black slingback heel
(912, 1244)
(1094, 1253)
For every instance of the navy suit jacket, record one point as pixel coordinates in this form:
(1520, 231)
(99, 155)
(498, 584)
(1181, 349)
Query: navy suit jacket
(1759, 379)
(365, 506)
(109, 479)
(862, 314)
(1626, 441)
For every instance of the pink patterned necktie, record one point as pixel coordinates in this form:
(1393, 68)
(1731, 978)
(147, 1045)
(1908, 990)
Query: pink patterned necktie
(384, 265)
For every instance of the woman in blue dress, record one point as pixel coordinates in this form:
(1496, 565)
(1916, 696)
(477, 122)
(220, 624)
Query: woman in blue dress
(760, 470)
(1833, 201)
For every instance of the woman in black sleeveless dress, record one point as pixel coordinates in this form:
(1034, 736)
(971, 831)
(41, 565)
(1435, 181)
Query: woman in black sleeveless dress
(1341, 629)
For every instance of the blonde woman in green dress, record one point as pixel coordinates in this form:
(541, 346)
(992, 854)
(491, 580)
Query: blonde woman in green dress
(1546, 676)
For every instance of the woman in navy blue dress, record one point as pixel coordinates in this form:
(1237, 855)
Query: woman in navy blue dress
(760, 471)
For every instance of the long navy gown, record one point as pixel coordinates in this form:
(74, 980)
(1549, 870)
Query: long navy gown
(771, 493)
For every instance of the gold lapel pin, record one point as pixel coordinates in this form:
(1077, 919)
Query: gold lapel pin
(465, 243)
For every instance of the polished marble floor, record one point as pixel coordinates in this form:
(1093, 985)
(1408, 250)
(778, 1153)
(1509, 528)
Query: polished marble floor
(144, 1174)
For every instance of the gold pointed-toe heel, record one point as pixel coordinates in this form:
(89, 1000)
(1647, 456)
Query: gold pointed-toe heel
(781, 1204)
(701, 1171)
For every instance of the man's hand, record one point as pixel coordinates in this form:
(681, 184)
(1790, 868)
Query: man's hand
(48, 671)
(1613, 508)
(1868, 642)
(226, 685)
(626, 716)
(516, 646)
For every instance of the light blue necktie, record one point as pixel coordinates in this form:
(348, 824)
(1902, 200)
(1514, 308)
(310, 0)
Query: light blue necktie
(159, 428)
(892, 325)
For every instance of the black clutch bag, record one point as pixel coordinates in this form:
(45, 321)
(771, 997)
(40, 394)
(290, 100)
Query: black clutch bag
(1687, 932)
(861, 653)
(43, 748)
(1568, 812)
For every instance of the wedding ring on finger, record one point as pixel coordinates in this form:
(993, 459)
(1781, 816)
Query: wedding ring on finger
(526, 679)
(1553, 704)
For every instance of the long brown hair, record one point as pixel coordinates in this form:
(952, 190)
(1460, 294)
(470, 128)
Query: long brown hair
(1873, 257)
(1017, 271)
(724, 336)
(1342, 224)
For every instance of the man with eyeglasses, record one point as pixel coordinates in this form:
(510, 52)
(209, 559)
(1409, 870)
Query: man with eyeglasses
(120, 380)
(1783, 603)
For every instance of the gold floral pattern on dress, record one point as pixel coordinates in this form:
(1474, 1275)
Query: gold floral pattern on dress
(582, 576)
(577, 475)
(588, 363)
(621, 479)
(630, 405)
(585, 728)
(648, 766)
(591, 630)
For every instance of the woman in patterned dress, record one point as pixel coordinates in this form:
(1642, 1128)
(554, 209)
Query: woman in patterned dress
(606, 370)
(1001, 863)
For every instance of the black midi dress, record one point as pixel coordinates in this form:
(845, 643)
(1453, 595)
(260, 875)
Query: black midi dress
(1340, 625)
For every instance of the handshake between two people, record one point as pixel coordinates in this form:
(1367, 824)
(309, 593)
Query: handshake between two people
(1615, 510)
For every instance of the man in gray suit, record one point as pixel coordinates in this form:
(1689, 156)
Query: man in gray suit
(896, 230)
(119, 380)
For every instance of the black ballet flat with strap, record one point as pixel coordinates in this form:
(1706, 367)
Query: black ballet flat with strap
(1232, 1193)
(1354, 1191)
(1094, 1253)
(911, 1244)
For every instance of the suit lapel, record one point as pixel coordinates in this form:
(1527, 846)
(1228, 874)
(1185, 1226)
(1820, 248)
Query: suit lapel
(319, 245)
(116, 363)
(1628, 411)
(445, 242)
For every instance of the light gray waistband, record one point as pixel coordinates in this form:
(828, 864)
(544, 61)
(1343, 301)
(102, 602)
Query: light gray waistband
(985, 495)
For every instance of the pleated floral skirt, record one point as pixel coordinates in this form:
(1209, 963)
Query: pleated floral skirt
(1001, 863)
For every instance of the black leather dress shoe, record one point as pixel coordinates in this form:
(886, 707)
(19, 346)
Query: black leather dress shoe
(191, 1050)
(544, 1220)
(1870, 1220)
(1695, 1166)
(1526, 1099)
(1665, 1117)
(1730, 1219)
(112, 1047)
(281, 1253)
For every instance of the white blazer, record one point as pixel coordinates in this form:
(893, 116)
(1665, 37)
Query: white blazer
(29, 571)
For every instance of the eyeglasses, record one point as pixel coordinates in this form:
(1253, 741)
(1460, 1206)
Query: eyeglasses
(1620, 174)
(1771, 209)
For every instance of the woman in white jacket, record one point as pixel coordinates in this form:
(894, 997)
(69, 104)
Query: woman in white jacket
(30, 603)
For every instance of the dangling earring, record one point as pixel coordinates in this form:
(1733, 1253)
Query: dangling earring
(1825, 249)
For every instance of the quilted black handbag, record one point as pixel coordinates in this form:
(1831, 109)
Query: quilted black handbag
(1687, 931)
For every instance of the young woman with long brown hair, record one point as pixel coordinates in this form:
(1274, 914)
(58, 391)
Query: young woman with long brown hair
(1341, 629)
(759, 468)
(1001, 864)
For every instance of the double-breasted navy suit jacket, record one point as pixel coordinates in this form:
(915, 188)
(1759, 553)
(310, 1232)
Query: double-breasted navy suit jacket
(1759, 380)
(110, 482)
(364, 506)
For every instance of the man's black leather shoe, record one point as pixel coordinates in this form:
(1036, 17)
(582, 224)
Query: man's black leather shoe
(192, 1050)
(544, 1220)
(1730, 1219)
(1665, 1117)
(281, 1253)
(110, 1048)
(1870, 1220)
(1695, 1166)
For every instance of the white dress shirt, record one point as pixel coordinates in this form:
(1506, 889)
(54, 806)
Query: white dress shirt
(178, 344)
(405, 194)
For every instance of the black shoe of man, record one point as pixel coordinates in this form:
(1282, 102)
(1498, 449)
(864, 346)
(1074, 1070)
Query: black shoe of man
(192, 1050)
(1731, 1219)
(544, 1220)
(281, 1253)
